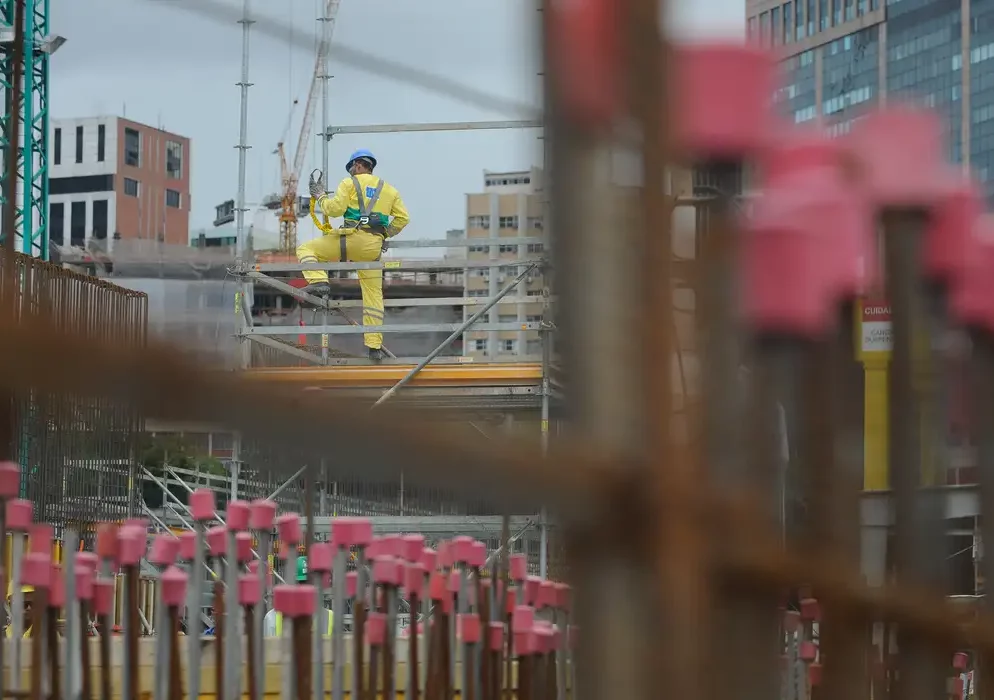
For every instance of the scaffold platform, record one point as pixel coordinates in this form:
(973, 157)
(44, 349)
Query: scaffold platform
(452, 375)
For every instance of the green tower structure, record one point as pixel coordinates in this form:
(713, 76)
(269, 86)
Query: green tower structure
(32, 164)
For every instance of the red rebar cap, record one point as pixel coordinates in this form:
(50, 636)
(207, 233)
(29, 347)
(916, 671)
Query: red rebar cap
(351, 584)
(808, 651)
(950, 240)
(388, 571)
(376, 628)
(523, 618)
(88, 560)
(810, 610)
(533, 584)
(899, 150)
(392, 546)
(351, 532)
(469, 627)
(429, 558)
(40, 539)
(294, 601)
(454, 581)
(412, 547)
(133, 542)
(20, 515)
(546, 639)
(84, 581)
(563, 596)
(107, 542)
(262, 514)
(243, 547)
(10, 480)
(202, 505)
(724, 110)
(525, 641)
(249, 590)
(972, 297)
(321, 557)
(187, 545)
(511, 598)
(174, 587)
(459, 549)
(56, 588)
(586, 49)
(960, 661)
(165, 547)
(414, 579)
(815, 674)
(288, 526)
(238, 513)
(547, 595)
(495, 636)
(478, 555)
(217, 540)
(103, 596)
(519, 568)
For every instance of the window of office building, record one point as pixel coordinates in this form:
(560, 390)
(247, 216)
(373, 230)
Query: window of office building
(796, 97)
(130, 187)
(764, 28)
(788, 23)
(775, 26)
(480, 221)
(981, 57)
(837, 12)
(174, 160)
(535, 222)
(477, 293)
(172, 199)
(56, 222)
(752, 28)
(799, 20)
(79, 144)
(850, 10)
(536, 247)
(101, 142)
(810, 13)
(57, 147)
(825, 16)
(861, 8)
(508, 346)
(509, 248)
(100, 219)
(508, 222)
(507, 318)
(849, 78)
(77, 223)
(480, 345)
(132, 147)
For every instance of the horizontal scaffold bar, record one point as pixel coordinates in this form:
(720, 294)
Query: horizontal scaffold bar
(408, 265)
(389, 328)
(464, 242)
(483, 374)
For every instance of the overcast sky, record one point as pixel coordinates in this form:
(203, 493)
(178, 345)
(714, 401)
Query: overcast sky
(153, 62)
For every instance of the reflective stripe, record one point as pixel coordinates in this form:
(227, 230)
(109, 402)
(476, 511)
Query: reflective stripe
(370, 311)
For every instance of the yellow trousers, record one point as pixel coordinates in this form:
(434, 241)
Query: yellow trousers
(360, 246)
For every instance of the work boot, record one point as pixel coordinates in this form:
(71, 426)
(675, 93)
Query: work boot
(318, 289)
(376, 355)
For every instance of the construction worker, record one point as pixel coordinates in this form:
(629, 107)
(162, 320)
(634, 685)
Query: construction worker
(273, 621)
(28, 593)
(373, 213)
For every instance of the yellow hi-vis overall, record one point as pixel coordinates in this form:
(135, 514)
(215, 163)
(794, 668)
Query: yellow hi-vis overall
(372, 211)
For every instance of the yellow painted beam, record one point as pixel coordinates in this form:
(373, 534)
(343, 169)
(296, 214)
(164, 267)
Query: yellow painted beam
(375, 376)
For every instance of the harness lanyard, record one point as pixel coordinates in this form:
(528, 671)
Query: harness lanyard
(365, 210)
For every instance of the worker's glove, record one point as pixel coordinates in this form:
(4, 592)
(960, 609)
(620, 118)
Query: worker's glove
(316, 184)
(386, 245)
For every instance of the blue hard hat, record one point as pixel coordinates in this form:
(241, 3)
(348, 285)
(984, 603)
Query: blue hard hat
(361, 153)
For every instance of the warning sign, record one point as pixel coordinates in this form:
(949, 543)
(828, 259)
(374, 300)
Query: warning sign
(876, 327)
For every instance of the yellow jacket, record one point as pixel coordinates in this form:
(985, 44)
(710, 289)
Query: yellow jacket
(345, 203)
(9, 632)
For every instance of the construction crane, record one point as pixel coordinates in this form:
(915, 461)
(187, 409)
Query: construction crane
(290, 173)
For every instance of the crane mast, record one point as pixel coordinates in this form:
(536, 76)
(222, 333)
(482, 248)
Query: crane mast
(290, 174)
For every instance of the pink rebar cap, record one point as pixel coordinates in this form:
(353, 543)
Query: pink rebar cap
(84, 581)
(249, 591)
(20, 515)
(10, 480)
(469, 627)
(187, 545)
(108, 546)
(288, 526)
(217, 540)
(376, 628)
(413, 545)
(351, 584)
(724, 111)
(238, 513)
(495, 636)
(294, 601)
(174, 587)
(40, 538)
(87, 559)
(263, 514)
(165, 547)
(243, 547)
(103, 596)
(429, 557)
(414, 579)
(351, 532)
(202, 505)
(388, 571)
(134, 542)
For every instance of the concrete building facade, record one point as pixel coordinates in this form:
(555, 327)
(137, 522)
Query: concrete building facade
(843, 56)
(113, 178)
(510, 206)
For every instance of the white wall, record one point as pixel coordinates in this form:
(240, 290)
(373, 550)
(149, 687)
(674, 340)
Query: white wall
(68, 167)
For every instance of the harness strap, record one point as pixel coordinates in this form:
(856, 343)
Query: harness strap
(366, 208)
(343, 248)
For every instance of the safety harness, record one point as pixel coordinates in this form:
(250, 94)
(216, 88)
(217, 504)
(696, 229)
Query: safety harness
(364, 221)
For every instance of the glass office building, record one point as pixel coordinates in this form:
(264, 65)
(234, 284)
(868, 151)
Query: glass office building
(843, 56)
